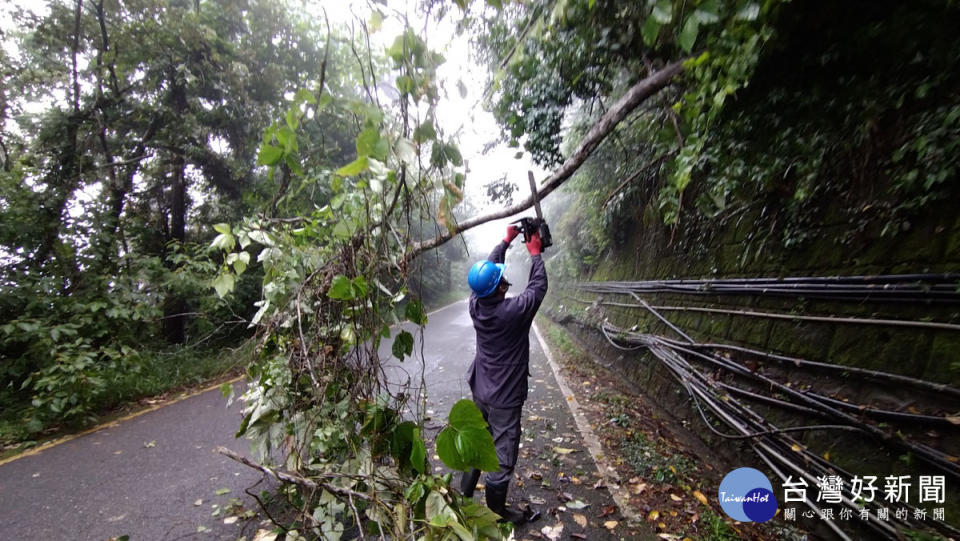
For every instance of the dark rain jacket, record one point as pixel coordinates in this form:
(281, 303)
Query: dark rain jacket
(498, 374)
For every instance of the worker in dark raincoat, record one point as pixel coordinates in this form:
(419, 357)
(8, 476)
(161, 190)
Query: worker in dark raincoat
(499, 372)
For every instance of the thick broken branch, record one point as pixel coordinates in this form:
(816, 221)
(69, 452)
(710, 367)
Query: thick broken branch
(637, 94)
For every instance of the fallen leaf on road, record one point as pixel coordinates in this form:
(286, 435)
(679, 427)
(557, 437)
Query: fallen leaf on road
(668, 536)
(580, 519)
(654, 515)
(600, 485)
(552, 533)
(676, 498)
(265, 535)
(575, 480)
(229, 520)
(118, 452)
(577, 536)
(149, 444)
(610, 524)
(637, 489)
(202, 529)
(577, 504)
(558, 439)
(198, 502)
(536, 500)
(221, 491)
(564, 496)
(700, 497)
(563, 450)
(608, 510)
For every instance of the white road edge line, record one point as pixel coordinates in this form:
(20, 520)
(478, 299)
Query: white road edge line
(445, 307)
(607, 472)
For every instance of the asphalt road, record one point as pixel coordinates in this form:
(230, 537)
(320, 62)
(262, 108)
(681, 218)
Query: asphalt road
(144, 477)
(141, 477)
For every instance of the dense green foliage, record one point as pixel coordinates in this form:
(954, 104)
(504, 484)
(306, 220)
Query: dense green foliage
(128, 130)
(792, 112)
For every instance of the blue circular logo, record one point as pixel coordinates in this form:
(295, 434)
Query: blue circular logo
(746, 495)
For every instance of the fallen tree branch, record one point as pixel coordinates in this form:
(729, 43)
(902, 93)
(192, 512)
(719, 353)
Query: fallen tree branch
(636, 95)
(294, 479)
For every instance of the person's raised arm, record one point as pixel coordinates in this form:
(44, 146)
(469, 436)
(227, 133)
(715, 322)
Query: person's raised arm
(500, 250)
(536, 289)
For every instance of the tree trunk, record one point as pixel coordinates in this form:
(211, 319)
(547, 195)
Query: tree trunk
(174, 321)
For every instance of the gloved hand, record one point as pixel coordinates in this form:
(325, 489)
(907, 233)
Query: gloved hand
(534, 245)
(512, 232)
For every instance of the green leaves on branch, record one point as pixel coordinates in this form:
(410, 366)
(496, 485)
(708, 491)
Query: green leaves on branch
(444, 153)
(345, 289)
(354, 168)
(418, 66)
(225, 240)
(224, 284)
(239, 260)
(280, 145)
(408, 448)
(688, 35)
(402, 345)
(370, 143)
(414, 312)
(466, 443)
(706, 12)
(425, 132)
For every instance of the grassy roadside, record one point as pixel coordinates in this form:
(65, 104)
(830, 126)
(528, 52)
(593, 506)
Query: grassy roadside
(670, 475)
(150, 382)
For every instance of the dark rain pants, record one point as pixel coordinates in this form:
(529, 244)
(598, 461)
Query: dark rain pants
(504, 426)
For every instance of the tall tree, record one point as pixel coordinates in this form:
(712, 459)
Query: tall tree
(129, 129)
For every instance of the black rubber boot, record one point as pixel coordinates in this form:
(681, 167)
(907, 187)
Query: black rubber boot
(468, 482)
(497, 502)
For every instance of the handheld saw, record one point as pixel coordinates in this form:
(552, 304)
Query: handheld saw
(531, 226)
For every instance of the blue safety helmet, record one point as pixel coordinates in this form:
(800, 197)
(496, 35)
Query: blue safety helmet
(484, 277)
